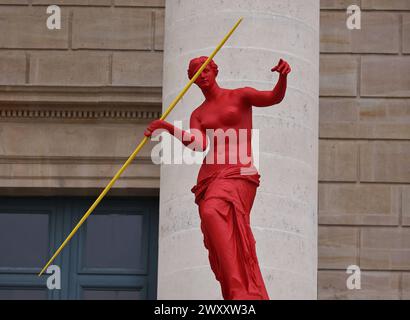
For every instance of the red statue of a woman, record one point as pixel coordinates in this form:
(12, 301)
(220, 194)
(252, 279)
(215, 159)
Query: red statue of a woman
(226, 184)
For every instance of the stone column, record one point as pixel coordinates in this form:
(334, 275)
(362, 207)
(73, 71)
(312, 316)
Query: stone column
(284, 216)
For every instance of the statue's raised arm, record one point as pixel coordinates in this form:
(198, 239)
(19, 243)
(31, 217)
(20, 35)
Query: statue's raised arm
(270, 97)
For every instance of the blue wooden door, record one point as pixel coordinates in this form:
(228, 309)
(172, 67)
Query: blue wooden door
(112, 256)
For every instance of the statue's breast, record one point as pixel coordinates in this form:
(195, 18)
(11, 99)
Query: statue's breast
(230, 115)
(222, 116)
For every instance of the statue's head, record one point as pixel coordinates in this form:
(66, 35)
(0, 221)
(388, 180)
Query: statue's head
(207, 78)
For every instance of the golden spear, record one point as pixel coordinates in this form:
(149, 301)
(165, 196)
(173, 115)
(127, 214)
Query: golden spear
(139, 147)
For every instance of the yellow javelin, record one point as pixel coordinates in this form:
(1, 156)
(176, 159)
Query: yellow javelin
(139, 147)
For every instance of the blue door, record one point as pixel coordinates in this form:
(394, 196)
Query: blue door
(112, 256)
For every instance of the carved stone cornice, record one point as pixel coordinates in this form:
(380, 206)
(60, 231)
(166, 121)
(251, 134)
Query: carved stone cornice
(86, 113)
(79, 104)
(71, 94)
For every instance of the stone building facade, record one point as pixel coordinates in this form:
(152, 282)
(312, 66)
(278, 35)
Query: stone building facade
(83, 93)
(74, 103)
(364, 167)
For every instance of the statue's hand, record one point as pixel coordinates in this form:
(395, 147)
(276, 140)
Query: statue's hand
(154, 125)
(282, 67)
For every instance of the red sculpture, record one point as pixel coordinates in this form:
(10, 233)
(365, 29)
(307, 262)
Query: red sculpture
(226, 189)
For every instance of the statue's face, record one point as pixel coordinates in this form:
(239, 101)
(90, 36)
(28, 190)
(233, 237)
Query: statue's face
(206, 79)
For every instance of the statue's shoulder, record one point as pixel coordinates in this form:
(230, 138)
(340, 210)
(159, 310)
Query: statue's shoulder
(234, 92)
(242, 90)
(197, 110)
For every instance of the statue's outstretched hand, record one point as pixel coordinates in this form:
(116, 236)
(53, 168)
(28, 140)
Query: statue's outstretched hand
(282, 67)
(155, 125)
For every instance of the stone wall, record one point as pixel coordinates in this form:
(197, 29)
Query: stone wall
(74, 102)
(364, 161)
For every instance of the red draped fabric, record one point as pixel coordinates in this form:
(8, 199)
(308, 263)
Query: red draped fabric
(225, 199)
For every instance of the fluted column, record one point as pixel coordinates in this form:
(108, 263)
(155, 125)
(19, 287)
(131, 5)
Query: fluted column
(284, 216)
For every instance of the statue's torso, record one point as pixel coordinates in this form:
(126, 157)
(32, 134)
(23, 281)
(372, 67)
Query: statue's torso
(226, 120)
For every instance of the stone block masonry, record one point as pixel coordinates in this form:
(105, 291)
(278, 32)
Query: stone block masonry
(364, 159)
